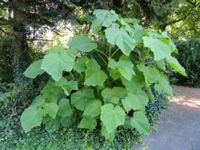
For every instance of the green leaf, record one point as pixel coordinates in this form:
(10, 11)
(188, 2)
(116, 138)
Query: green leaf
(52, 125)
(66, 85)
(113, 95)
(120, 37)
(72, 85)
(124, 67)
(138, 35)
(166, 39)
(67, 122)
(114, 73)
(31, 117)
(140, 122)
(96, 25)
(108, 135)
(80, 65)
(81, 98)
(82, 43)
(51, 109)
(38, 101)
(136, 101)
(34, 69)
(161, 65)
(151, 74)
(112, 117)
(92, 109)
(63, 81)
(113, 70)
(164, 86)
(106, 17)
(94, 76)
(136, 83)
(88, 123)
(56, 62)
(50, 92)
(173, 62)
(65, 109)
(159, 49)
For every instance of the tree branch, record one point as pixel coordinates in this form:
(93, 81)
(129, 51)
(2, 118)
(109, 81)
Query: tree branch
(192, 3)
(177, 20)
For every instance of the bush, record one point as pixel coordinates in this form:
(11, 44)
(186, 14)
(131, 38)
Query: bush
(13, 137)
(189, 57)
(104, 80)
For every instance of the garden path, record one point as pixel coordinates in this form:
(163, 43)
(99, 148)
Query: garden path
(179, 125)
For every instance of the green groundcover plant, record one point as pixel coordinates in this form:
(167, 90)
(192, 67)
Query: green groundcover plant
(104, 79)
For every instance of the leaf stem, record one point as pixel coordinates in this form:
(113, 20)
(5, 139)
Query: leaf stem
(151, 96)
(101, 52)
(102, 59)
(109, 51)
(72, 75)
(114, 53)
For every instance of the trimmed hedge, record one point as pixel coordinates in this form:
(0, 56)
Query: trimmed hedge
(13, 137)
(189, 57)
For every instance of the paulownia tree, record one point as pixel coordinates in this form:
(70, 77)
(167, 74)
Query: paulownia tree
(104, 79)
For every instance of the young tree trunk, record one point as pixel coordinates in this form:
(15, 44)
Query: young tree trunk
(21, 56)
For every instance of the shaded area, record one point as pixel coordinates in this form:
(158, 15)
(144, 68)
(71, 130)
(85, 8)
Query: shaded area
(178, 128)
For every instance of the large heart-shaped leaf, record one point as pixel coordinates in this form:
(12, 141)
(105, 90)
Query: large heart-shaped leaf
(164, 86)
(136, 83)
(113, 95)
(51, 109)
(34, 69)
(94, 75)
(112, 117)
(173, 62)
(120, 37)
(136, 101)
(80, 64)
(124, 66)
(56, 62)
(103, 18)
(82, 43)
(159, 49)
(64, 109)
(92, 109)
(140, 122)
(151, 74)
(81, 98)
(31, 117)
(88, 123)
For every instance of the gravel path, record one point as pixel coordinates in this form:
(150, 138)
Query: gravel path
(179, 125)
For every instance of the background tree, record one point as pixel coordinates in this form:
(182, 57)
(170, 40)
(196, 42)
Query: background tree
(21, 22)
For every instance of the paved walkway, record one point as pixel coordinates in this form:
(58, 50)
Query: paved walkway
(179, 125)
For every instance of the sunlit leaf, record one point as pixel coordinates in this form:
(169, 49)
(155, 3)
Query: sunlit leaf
(34, 69)
(94, 75)
(120, 37)
(159, 49)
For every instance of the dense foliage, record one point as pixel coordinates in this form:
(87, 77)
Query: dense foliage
(189, 57)
(25, 22)
(13, 137)
(104, 78)
(23, 25)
